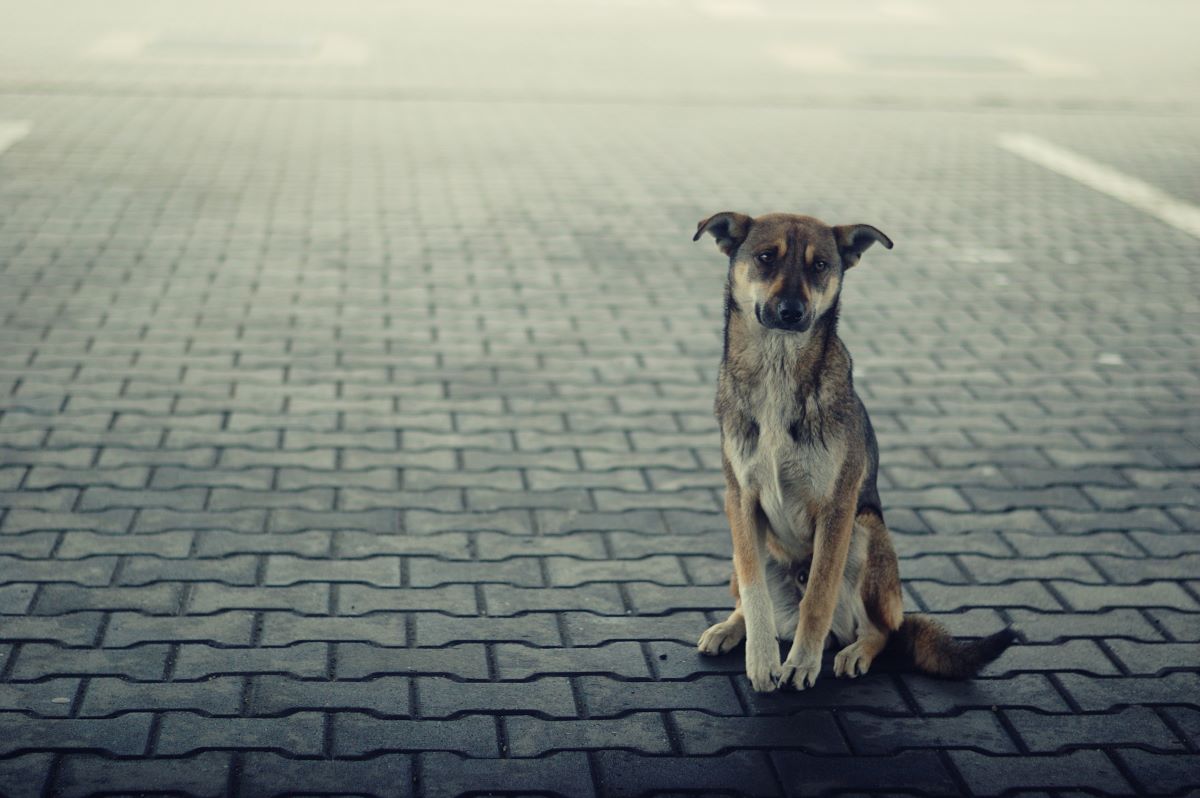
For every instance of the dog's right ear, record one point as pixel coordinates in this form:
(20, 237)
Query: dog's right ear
(729, 228)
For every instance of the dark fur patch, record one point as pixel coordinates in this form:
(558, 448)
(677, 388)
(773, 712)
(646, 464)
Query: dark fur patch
(731, 308)
(751, 439)
(809, 428)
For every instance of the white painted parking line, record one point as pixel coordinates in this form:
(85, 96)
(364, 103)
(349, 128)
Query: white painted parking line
(890, 12)
(118, 46)
(12, 132)
(823, 60)
(1047, 65)
(1137, 193)
(150, 48)
(338, 49)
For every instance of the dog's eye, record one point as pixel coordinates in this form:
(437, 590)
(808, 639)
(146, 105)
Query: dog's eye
(820, 265)
(766, 258)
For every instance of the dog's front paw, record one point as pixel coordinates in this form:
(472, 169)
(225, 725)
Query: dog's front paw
(721, 637)
(801, 669)
(763, 667)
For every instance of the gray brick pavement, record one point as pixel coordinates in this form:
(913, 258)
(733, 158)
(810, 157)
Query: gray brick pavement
(363, 446)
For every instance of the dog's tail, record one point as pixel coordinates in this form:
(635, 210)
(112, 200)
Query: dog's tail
(931, 648)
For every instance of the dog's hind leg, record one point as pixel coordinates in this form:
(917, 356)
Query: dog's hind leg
(879, 611)
(855, 659)
(724, 636)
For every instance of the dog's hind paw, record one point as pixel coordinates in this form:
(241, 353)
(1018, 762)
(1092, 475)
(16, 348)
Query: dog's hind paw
(852, 661)
(721, 637)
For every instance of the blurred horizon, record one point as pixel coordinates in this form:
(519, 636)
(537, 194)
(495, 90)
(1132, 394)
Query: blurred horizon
(881, 53)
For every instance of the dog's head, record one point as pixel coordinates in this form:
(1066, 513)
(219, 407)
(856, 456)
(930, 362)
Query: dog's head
(787, 267)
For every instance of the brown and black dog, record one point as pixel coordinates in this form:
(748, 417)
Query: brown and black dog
(812, 558)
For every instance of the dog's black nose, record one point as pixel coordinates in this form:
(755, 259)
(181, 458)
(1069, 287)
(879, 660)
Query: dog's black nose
(791, 311)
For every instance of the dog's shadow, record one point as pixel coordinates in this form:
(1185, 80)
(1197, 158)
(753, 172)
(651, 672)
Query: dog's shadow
(892, 687)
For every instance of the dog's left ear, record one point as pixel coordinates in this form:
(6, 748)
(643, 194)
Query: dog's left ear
(729, 228)
(855, 239)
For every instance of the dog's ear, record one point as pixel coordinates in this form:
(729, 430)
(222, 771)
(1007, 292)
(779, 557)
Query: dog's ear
(855, 239)
(729, 228)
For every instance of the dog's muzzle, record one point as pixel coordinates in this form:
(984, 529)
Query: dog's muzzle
(788, 315)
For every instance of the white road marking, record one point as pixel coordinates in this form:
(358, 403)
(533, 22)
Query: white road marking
(919, 13)
(823, 60)
(828, 59)
(895, 11)
(1038, 63)
(1141, 195)
(335, 49)
(338, 49)
(12, 132)
(118, 47)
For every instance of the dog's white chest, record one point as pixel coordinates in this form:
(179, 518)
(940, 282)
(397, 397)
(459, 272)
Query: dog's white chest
(787, 476)
(772, 472)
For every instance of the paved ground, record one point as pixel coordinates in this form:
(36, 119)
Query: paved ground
(354, 440)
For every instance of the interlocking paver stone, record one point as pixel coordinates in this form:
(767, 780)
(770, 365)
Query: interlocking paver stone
(39, 660)
(994, 775)
(205, 774)
(300, 734)
(123, 736)
(386, 696)
(566, 773)
(912, 771)
(270, 773)
(1141, 726)
(49, 698)
(1092, 693)
(813, 730)
(355, 418)
(200, 661)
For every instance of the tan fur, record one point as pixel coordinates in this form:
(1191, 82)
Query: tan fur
(774, 288)
(882, 593)
(745, 552)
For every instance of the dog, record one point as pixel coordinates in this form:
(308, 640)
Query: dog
(812, 558)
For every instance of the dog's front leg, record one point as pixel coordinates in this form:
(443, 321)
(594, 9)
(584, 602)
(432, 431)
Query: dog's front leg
(749, 562)
(831, 548)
